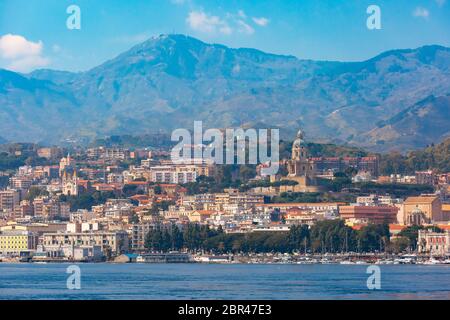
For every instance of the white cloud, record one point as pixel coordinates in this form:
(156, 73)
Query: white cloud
(440, 3)
(21, 54)
(245, 28)
(228, 24)
(421, 12)
(200, 21)
(13, 46)
(27, 64)
(262, 22)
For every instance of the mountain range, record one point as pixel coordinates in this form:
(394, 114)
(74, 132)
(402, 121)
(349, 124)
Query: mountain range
(399, 99)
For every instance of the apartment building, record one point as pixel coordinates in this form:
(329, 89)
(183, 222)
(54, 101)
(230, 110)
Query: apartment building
(116, 242)
(17, 241)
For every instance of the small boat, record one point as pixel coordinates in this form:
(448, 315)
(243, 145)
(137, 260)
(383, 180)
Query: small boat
(432, 262)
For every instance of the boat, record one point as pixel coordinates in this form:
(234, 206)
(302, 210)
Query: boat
(432, 261)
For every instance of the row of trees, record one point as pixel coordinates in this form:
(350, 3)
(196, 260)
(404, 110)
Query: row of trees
(331, 236)
(170, 237)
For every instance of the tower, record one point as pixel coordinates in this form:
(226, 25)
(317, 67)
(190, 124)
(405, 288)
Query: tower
(300, 165)
(69, 177)
(70, 182)
(300, 168)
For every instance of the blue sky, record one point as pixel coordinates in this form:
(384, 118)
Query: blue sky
(34, 33)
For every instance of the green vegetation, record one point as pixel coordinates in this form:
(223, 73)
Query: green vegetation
(411, 234)
(35, 192)
(226, 176)
(158, 206)
(128, 141)
(289, 197)
(10, 162)
(87, 200)
(396, 190)
(4, 181)
(326, 236)
(165, 238)
(432, 157)
(323, 150)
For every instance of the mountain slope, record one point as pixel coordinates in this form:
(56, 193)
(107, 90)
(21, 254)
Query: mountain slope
(427, 121)
(169, 81)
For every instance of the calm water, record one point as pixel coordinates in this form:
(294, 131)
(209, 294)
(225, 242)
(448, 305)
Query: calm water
(199, 281)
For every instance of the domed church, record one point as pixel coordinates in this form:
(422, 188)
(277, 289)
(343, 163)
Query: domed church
(300, 168)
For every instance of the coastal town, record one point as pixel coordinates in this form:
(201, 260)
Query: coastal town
(117, 204)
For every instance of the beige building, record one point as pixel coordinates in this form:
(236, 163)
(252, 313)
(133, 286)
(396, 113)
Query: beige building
(114, 241)
(431, 207)
(9, 199)
(200, 215)
(434, 243)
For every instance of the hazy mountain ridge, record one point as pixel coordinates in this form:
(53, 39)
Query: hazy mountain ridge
(427, 121)
(169, 81)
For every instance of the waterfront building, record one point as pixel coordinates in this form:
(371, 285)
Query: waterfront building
(116, 242)
(434, 243)
(15, 242)
(138, 233)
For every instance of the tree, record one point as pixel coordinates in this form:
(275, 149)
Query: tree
(176, 238)
(399, 245)
(35, 192)
(332, 236)
(299, 238)
(374, 237)
(412, 234)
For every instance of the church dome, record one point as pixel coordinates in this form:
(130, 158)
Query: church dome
(417, 211)
(299, 139)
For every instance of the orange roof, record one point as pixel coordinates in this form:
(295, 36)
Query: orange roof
(140, 197)
(138, 182)
(206, 212)
(301, 204)
(396, 227)
(358, 226)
